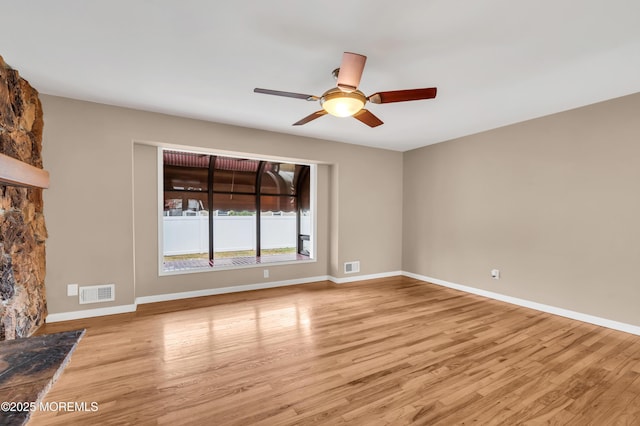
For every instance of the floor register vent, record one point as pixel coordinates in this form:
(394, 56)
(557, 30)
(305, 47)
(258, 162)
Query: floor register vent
(352, 267)
(97, 293)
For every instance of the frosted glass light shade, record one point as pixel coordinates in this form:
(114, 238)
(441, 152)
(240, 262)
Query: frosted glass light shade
(342, 104)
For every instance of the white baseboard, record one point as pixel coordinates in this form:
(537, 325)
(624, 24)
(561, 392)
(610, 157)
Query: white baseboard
(364, 277)
(591, 319)
(89, 313)
(223, 290)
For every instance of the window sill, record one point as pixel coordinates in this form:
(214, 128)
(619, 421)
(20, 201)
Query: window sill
(195, 266)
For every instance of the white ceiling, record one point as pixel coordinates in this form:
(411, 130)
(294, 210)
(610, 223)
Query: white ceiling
(495, 62)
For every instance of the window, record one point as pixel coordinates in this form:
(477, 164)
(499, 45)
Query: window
(224, 212)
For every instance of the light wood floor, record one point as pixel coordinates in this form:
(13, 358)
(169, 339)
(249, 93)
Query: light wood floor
(390, 351)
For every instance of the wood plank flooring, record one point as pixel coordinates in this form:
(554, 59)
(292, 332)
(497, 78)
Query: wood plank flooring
(393, 351)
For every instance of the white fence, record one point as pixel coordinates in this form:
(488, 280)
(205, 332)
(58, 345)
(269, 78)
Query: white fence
(189, 234)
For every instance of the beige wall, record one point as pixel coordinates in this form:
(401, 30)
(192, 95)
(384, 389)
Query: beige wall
(553, 203)
(90, 152)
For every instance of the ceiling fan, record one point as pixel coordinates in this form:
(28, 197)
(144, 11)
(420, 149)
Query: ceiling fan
(346, 100)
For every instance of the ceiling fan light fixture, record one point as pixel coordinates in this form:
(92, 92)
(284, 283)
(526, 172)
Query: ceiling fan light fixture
(346, 100)
(342, 104)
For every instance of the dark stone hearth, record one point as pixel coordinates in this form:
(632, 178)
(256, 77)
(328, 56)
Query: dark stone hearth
(22, 228)
(29, 366)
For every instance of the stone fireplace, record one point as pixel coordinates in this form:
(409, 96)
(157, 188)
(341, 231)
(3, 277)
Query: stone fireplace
(22, 229)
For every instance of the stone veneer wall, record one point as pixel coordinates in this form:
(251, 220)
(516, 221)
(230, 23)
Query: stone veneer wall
(23, 305)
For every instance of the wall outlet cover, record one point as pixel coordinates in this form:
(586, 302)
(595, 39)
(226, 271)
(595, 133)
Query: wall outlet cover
(72, 289)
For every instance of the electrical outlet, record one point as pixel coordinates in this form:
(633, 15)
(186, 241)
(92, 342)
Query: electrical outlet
(266, 273)
(72, 289)
(495, 274)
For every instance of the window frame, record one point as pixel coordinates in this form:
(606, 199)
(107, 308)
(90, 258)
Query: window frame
(312, 257)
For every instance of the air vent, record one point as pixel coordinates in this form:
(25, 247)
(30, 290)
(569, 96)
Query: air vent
(97, 293)
(351, 267)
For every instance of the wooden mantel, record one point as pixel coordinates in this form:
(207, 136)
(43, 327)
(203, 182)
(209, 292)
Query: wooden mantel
(16, 172)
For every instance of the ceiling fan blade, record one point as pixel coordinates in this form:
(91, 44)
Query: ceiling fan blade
(367, 118)
(286, 94)
(350, 71)
(310, 117)
(403, 95)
